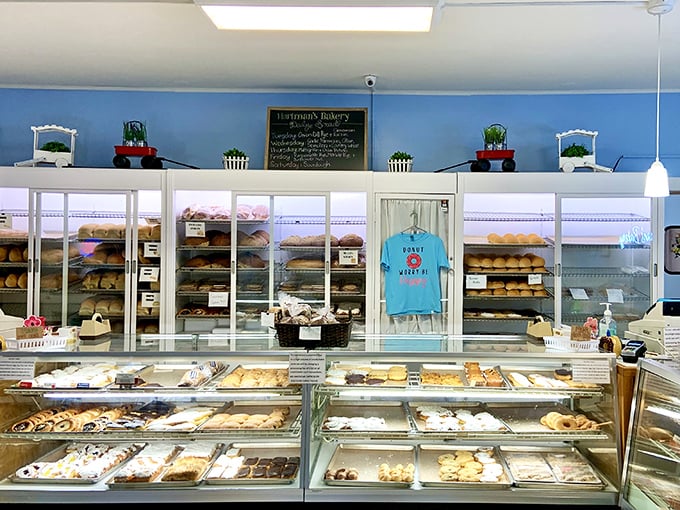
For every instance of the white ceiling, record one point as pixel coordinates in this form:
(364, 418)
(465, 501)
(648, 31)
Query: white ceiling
(509, 46)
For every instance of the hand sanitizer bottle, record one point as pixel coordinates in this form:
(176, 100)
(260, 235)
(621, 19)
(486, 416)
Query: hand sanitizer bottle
(607, 322)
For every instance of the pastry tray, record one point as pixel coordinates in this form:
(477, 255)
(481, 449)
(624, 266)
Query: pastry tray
(266, 366)
(80, 386)
(473, 407)
(160, 377)
(60, 453)
(550, 459)
(336, 369)
(158, 482)
(251, 408)
(549, 374)
(428, 467)
(366, 459)
(460, 371)
(393, 413)
(252, 450)
(524, 418)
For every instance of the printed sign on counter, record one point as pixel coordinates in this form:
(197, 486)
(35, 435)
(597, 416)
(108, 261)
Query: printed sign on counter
(194, 229)
(148, 274)
(475, 281)
(306, 367)
(348, 257)
(671, 342)
(591, 370)
(17, 368)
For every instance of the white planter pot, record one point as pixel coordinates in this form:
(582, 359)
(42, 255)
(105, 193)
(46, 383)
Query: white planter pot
(399, 165)
(235, 163)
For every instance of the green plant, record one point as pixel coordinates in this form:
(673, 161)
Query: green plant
(495, 133)
(55, 147)
(575, 150)
(400, 155)
(234, 153)
(134, 131)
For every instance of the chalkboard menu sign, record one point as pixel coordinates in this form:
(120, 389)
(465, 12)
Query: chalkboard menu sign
(316, 139)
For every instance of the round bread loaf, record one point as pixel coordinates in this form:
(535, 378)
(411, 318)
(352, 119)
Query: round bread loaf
(522, 238)
(16, 254)
(499, 263)
(509, 238)
(197, 241)
(535, 239)
(22, 281)
(198, 261)
(537, 261)
(351, 240)
(4, 252)
(474, 261)
(524, 262)
(11, 281)
(487, 263)
(511, 262)
(494, 238)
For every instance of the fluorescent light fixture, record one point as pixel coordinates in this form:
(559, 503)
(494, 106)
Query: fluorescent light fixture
(319, 17)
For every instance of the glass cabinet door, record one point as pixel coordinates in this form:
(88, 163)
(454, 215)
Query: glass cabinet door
(508, 261)
(605, 258)
(15, 270)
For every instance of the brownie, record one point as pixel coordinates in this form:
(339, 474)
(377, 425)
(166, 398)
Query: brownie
(251, 461)
(293, 460)
(259, 472)
(264, 461)
(279, 461)
(243, 472)
(355, 378)
(289, 470)
(274, 471)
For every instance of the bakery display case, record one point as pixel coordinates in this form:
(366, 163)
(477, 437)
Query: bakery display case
(114, 427)
(508, 261)
(606, 257)
(14, 246)
(465, 428)
(652, 456)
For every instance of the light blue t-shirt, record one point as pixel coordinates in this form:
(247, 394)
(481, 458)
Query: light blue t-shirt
(411, 263)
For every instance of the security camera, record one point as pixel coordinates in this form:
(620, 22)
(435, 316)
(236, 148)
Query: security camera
(370, 80)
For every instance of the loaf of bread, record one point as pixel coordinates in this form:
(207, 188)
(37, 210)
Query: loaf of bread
(22, 281)
(197, 241)
(115, 258)
(305, 263)
(351, 240)
(91, 280)
(218, 238)
(11, 281)
(108, 280)
(198, 261)
(86, 231)
(494, 238)
(103, 306)
(156, 232)
(87, 306)
(4, 253)
(16, 254)
(250, 260)
(144, 232)
(120, 281)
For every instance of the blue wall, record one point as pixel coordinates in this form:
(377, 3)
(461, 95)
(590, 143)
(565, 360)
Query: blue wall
(439, 130)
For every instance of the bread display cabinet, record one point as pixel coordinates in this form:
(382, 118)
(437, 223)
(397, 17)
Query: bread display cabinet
(115, 428)
(465, 428)
(652, 457)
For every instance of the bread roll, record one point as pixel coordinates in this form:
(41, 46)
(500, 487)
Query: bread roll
(22, 281)
(487, 263)
(526, 292)
(499, 292)
(510, 285)
(494, 238)
(103, 306)
(537, 261)
(86, 231)
(524, 262)
(513, 292)
(499, 263)
(11, 281)
(2, 281)
(522, 238)
(511, 262)
(474, 262)
(16, 254)
(354, 240)
(4, 253)
(535, 239)
(540, 293)
(144, 232)
(156, 232)
(87, 307)
(509, 238)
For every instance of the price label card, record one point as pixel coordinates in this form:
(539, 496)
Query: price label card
(149, 274)
(348, 257)
(17, 368)
(218, 299)
(151, 299)
(267, 319)
(152, 249)
(194, 229)
(615, 295)
(306, 367)
(535, 279)
(310, 333)
(5, 220)
(591, 370)
(671, 342)
(578, 293)
(475, 281)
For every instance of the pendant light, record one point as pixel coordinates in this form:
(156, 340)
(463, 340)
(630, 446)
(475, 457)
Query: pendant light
(656, 183)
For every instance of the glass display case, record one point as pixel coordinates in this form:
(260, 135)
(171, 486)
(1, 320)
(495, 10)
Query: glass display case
(652, 457)
(465, 428)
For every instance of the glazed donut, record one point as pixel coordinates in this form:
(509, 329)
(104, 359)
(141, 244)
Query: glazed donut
(565, 422)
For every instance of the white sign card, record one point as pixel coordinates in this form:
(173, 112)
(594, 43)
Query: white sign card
(578, 293)
(310, 333)
(535, 279)
(17, 368)
(5, 220)
(475, 281)
(615, 295)
(149, 274)
(591, 370)
(194, 229)
(218, 299)
(267, 319)
(306, 367)
(151, 299)
(152, 249)
(218, 341)
(348, 257)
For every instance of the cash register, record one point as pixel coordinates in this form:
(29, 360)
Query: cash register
(664, 313)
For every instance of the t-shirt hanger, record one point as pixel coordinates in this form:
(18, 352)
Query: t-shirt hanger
(414, 228)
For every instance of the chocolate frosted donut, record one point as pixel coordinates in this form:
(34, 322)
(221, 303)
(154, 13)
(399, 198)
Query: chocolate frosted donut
(355, 378)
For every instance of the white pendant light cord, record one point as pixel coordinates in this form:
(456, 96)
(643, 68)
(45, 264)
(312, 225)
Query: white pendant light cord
(658, 81)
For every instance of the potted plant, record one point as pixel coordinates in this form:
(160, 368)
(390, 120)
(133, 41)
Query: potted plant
(494, 137)
(134, 133)
(400, 162)
(235, 159)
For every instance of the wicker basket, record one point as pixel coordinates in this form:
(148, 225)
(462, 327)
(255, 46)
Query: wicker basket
(324, 335)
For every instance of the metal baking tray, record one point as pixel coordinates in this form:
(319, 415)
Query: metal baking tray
(428, 467)
(264, 366)
(545, 459)
(259, 451)
(26, 385)
(550, 375)
(159, 377)
(158, 481)
(393, 413)
(366, 459)
(112, 483)
(473, 407)
(152, 426)
(444, 369)
(337, 372)
(60, 453)
(525, 417)
(251, 408)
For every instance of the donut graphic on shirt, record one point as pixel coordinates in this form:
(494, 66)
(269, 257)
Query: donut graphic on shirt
(413, 260)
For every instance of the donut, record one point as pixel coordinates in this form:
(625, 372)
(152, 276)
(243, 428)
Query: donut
(65, 425)
(565, 422)
(23, 426)
(563, 374)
